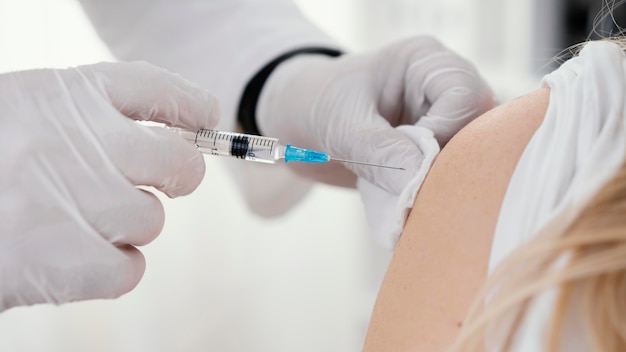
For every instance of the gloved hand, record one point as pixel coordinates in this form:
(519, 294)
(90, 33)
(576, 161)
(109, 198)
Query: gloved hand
(348, 106)
(71, 159)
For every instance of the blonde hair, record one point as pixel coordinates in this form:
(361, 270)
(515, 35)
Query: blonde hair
(582, 258)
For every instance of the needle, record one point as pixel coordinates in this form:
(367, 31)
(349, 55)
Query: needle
(360, 163)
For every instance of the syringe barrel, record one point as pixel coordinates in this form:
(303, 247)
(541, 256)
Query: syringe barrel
(236, 145)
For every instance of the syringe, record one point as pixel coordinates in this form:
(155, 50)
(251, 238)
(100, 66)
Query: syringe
(256, 148)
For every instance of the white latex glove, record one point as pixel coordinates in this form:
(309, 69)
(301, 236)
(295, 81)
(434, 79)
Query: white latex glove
(348, 106)
(71, 159)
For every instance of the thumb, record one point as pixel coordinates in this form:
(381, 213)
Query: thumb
(380, 144)
(145, 92)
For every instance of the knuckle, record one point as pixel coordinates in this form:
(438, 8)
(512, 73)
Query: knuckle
(421, 44)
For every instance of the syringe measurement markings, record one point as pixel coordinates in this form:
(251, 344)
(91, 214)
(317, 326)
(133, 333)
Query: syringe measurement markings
(251, 147)
(195, 141)
(263, 143)
(251, 142)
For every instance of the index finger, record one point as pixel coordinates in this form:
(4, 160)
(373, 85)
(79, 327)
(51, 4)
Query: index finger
(145, 92)
(455, 90)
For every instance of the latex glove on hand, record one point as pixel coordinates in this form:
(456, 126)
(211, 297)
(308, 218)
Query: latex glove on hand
(348, 107)
(71, 159)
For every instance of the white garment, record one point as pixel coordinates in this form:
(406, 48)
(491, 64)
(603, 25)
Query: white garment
(220, 44)
(579, 146)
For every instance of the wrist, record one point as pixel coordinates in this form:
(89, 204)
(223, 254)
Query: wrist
(249, 102)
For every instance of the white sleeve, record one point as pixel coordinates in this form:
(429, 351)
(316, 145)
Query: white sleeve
(221, 45)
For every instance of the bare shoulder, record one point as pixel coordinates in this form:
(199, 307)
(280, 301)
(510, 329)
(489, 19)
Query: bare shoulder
(442, 256)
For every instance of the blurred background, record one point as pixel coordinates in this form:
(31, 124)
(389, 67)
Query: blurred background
(221, 279)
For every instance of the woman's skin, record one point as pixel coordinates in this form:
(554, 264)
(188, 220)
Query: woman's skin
(442, 256)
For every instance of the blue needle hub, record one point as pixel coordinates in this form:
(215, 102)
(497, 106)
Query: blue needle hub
(304, 155)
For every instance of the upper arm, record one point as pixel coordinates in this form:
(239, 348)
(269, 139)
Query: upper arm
(442, 256)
